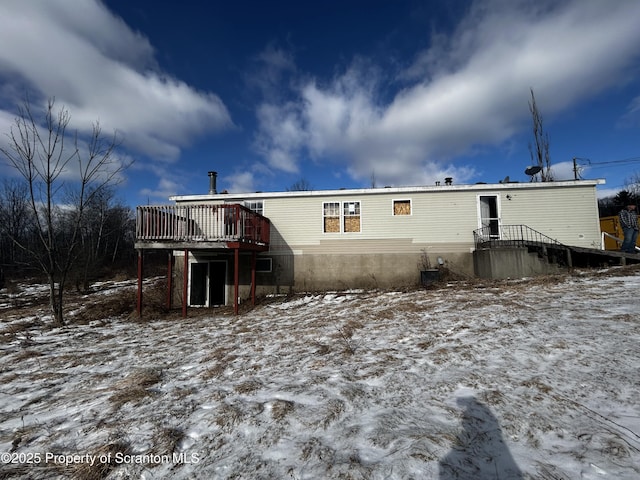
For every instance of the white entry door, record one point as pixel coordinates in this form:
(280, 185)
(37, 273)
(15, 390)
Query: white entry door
(489, 215)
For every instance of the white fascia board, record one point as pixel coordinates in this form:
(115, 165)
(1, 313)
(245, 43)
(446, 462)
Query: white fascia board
(385, 190)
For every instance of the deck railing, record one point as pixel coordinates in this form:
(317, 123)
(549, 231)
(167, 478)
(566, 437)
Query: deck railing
(510, 235)
(201, 223)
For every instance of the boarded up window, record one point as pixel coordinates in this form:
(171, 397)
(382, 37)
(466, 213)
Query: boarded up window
(331, 217)
(351, 214)
(402, 207)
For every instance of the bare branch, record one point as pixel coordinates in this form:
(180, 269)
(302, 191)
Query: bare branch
(540, 151)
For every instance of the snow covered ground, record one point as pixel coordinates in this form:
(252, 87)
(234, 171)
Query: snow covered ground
(533, 379)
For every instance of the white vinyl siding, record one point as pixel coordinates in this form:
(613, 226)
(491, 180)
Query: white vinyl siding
(445, 216)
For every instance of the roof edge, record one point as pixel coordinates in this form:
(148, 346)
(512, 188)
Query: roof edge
(383, 190)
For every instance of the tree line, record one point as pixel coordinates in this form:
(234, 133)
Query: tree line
(610, 206)
(106, 234)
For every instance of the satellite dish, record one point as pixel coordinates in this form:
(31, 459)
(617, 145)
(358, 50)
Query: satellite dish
(532, 170)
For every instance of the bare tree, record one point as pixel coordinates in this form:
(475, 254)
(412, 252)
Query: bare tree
(540, 154)
(62, 179)
(632, 184)
(300, 185)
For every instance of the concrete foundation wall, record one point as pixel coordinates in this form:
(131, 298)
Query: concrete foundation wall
(316, 272)
(510, 262)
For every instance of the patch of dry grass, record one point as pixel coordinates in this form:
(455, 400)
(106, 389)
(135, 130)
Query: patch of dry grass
(119, 304)
(335, 409)
(20, 330)
(249, 386)
(215, 371)
(168, 439)
(537, 384)
(101, 469)
(221, 358)
(26, 355)
(281, 408)
(135, 387)
(228, 417)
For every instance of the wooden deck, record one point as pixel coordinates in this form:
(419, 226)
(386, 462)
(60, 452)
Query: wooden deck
(176, 227)
(198, 227)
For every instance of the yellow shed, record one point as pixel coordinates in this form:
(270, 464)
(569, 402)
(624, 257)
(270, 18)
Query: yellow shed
(611, 225)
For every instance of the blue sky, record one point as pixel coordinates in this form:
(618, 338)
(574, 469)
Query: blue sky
(343, 94)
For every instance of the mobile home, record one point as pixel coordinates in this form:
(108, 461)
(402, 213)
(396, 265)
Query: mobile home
(238, 245)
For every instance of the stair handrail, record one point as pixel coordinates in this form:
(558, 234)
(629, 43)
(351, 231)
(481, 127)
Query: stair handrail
(511, 235)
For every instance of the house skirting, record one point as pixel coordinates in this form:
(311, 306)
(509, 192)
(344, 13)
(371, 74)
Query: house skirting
(335, 264)
(369, 270)
(510, 262)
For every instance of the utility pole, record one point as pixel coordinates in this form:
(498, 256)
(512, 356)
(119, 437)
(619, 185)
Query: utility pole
(576, 175)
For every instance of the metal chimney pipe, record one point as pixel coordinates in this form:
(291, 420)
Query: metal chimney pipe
(212, 183)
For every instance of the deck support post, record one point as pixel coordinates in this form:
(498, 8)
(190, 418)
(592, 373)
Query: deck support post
(236, 278)
(140, 274)
(569, 258)
(169, 278)
(253, 278)
(185, 282)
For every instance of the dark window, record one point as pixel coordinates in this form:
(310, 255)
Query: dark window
(264, 265)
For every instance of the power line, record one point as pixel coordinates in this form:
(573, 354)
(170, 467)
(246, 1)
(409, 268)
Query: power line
(595, 165)
(625, 160)
(620, 162)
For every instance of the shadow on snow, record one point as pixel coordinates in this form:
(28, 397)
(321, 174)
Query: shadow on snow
(479, 451)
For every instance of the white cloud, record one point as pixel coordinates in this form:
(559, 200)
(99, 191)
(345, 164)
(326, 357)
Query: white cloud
(166, 187)
(564, 171)
(282, 135)
(607, 192)
(468, 90)
(239, 182)
(269, 71)
(103, 158)
(631, 118)
(95, 65)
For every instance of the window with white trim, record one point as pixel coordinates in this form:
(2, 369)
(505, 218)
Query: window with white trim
(351, 215)
(341, 217)
(255, 206)
(264, 264)
(331, 217)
